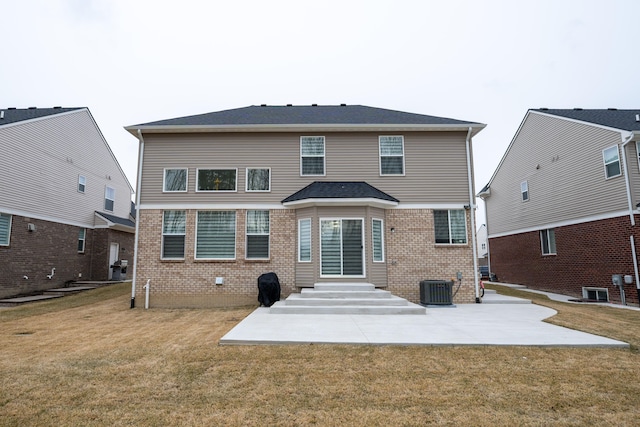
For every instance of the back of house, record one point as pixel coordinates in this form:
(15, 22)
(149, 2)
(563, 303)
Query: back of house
(311, 193)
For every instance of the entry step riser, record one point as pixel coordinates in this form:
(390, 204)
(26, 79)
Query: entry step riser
(346, 302)
(377, 294)
(344, 286)
(278, 308)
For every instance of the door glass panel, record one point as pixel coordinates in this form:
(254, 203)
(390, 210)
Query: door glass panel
(341, 244)
(331, 253)
(352, 247)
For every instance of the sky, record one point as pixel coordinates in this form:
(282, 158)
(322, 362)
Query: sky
(136, 61)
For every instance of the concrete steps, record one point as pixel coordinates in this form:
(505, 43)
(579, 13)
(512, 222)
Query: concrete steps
(345, 298)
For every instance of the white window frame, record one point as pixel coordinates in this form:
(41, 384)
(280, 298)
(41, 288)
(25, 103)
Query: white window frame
(164, 180)
(604, 161)
(373, 240)
(550, 242)
(235, 237)
(380, 137)
(82, 237)
(183, 234)
(524, 191)
(324, 156)
(466, 232)
(310, 249)
(586, 289)
(82, 184)
(10, 220)
(247, 234)
(106, 197)
(268, 190)
(362, 244)
(235, 190)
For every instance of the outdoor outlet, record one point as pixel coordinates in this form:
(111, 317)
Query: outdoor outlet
(219, 280)
(79, 274)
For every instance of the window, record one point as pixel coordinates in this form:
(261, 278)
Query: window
(216, 235)
(82, 237)
(450, 226)
(5, 229)
(175, 180)
(596, 294)
(109, 198)
(258, 179)
(524, 189)
(611, 159)
(173, 233)
(217, 179)
(304, 240)
(378, 240)
(312, 155)
(257, 235)
(82, 183)
(548, 240)
(391, 155)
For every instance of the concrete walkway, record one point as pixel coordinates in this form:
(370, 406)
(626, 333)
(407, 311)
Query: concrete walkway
(507, 321)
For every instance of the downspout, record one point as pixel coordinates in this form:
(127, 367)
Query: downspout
(631, 215)
(138, 186)
(472, 212)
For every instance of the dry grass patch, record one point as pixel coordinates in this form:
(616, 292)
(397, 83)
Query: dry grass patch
(89, 360)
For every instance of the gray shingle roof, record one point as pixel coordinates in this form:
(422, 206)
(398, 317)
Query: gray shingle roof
(618, 119)
(13, 115)
(306, 115)
(116, 219)
(339, 190)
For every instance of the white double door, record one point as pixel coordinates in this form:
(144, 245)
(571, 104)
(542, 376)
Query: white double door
(342, 247)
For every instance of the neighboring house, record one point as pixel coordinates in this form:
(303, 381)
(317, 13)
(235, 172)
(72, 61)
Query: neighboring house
(65, 203)
(562, 205)
(312, 193)
(482, 243)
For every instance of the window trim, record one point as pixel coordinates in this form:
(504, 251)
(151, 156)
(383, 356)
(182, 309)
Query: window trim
(466, 231)
(605, 164)
(300, 240)
(380, 156)
(235, 236)
(586, 289)
(324, 156)
(524, 191)
(184, 244)
(82, 239)
(164, 180)
(235, 190)
(106, 191)
(246, 185)
(2, 214)
(247, 234)
(373, 241)
(542, 248)
(82, 181)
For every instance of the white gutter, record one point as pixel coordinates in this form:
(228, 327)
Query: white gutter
(138, 186)
(472, 212)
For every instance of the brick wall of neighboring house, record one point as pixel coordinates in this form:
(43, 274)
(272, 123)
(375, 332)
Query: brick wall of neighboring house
(35, 253)
(191, 283)
(587, 255)
(103, 237)
(413, 256)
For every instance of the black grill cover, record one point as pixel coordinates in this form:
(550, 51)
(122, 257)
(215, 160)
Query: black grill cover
(268, 289)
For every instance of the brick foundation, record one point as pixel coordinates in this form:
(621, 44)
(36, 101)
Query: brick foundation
(587, 255)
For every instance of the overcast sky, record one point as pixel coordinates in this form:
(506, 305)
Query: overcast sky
(135, 61)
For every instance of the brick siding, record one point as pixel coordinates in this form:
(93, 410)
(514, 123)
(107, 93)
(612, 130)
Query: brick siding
(587, 255)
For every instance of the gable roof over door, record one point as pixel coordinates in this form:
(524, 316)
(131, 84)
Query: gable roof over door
(332, 193)
(327, 117)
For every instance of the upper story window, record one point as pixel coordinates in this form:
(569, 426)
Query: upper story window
(5, 229)
(216, 180)
(304, 240)
(173, 234)
(259, 179)
(524, 190)
(82, 183)
(82, 238)
(548, 241)
(611, 158)
(450, 226)
(312, 155)
(109, 198)
(175, 180)
(391, 155)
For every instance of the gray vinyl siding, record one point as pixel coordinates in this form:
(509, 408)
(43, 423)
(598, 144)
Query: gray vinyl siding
(562, 162)
(435, 165)
(634, 172)
(40, 164)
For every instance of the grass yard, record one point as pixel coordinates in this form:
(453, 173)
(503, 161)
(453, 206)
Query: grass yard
(89, 360)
